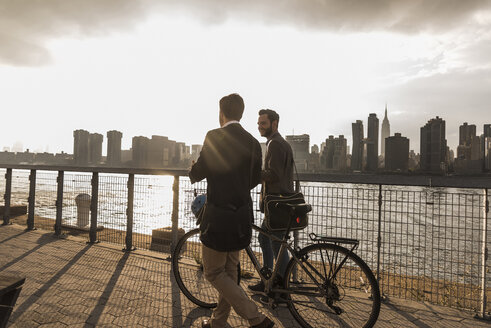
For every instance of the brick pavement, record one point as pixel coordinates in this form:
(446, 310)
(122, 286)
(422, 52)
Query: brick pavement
(72, 284)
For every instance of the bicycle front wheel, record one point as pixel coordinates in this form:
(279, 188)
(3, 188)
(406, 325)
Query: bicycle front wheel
(187, 265)
(331, 287)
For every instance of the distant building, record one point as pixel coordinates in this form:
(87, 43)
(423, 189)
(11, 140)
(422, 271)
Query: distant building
(81, 147)
(313, 162)
(180, 154)
(397, 153)
(126, 157)
(487, 157)
(63, 158)
(44, 158)
(385, 132)
(469, 154)
(300, 146)
(466, 133)
(95, 148)
(413, 163)
(114, 148)
(17, 147)
(372, 142)
(157, 150)
(357, 150)
(25, 157)
(486, 134)
(140, 150)
(334, 155)
(195, 151)
(170, 158)
(433, 146)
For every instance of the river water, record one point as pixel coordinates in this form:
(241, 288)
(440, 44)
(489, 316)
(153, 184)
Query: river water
(434, 232)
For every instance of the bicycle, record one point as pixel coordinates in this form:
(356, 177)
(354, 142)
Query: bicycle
(325, 283)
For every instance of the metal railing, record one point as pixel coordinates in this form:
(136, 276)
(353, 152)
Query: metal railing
(425, 237)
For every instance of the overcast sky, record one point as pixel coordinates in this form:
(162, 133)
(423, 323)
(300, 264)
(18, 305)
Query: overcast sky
(148, 67)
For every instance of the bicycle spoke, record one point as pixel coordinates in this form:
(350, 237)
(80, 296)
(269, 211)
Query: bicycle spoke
(341, 299)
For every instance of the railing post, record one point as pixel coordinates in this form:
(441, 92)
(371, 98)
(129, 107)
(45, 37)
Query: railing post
(379, 235)
(93, 208)
(175, 212)
(484, 256)
(6, 197)
(31, 200)
(129, 213)
(59, 202)
(295, 233)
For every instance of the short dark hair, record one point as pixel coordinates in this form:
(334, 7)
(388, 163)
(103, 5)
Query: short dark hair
(272, 115)
(232, 106)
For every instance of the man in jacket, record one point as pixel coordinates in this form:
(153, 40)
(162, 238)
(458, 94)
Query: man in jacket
(277, 178)
(230, 160)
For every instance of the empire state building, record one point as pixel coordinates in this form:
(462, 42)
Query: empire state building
(385, 132)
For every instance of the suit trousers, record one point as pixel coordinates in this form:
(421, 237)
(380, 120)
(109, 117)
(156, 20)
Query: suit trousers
(221, 271)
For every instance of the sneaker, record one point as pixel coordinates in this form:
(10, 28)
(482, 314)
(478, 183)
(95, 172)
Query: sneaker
(259, 287)
(267, 323)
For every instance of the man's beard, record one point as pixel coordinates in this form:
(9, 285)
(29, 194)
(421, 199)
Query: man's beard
(268, 132)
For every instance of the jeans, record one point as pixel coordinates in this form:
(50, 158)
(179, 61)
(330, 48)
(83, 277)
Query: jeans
(271, 249)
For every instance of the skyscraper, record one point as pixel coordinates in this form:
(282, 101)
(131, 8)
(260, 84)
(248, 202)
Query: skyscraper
(466, 134)
(156, 150)
(372, 142)
(95, 148)
(334, 154)
(397, 153)
(485, 134)
(433, 145)
(385, 132)
(300, 146)
(114, 148)
(357, 151)
(81, 147)
(140, 149)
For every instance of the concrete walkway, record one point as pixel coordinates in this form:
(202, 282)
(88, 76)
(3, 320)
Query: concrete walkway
(72, 284)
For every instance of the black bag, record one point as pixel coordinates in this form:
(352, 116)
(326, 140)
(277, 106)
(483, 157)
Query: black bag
(277, 218)
(226, 229)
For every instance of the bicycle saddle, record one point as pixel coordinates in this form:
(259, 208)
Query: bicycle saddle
(297, 209)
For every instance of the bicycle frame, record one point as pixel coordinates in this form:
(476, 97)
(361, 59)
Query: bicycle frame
(285, 246)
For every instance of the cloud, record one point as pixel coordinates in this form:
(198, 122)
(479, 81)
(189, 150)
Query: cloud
(457, 96)
(30, 24)
(352, 15)
(26, 26)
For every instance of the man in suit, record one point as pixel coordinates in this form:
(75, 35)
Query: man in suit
(277, 178)
(230, 160)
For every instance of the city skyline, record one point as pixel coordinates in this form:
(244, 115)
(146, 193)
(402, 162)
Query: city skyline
(19, 147)
(333, 155)
(147, 67)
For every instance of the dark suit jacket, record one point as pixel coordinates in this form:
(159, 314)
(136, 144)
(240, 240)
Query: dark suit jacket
(278, 166)
(225, 161)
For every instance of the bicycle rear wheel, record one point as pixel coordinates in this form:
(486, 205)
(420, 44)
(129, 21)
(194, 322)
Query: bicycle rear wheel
(187, 265)
(331, 287)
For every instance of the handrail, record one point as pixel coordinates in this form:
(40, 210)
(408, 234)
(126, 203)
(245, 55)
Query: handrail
(378, 180)
(449, 181)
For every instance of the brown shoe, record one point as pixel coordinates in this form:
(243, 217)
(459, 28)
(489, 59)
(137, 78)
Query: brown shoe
(205, 323)
(267, 323)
